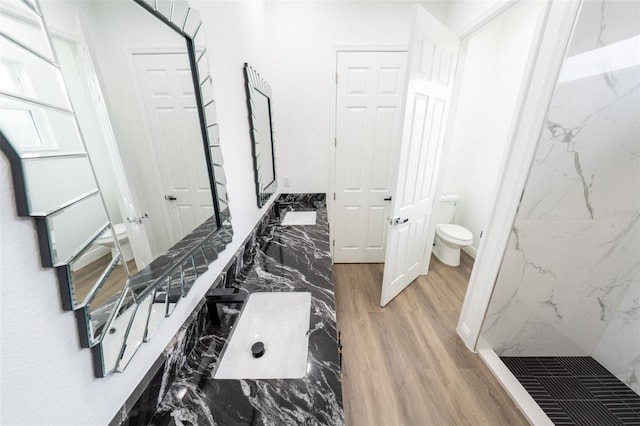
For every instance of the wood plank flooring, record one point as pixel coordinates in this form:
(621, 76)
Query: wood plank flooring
(405, 364)
(85, 278)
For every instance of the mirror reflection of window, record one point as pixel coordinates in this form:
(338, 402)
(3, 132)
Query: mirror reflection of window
(23, 129)
(9, 77)
(26, 126)
(19, 21)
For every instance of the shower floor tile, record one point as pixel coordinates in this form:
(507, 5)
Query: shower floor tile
(576, 390)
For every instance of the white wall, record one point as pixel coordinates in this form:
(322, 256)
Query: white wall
(465, 15)
(303, 36)
(440, 9)
(496, 57)
(302, 39)
(46, 378)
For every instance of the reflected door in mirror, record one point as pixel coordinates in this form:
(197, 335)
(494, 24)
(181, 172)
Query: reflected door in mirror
(178, 195)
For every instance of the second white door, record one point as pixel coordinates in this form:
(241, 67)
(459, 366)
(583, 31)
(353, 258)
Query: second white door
(433, 54)
(183, 196)
(368, 127)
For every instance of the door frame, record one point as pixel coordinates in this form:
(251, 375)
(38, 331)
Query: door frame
(479, 23)
(552, 37)
(338, 48)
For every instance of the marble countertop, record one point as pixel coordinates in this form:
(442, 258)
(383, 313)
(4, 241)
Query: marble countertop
(288, 258)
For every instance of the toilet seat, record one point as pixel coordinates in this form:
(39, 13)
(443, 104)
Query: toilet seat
(121, 230)
(455, 234)
(121, 234)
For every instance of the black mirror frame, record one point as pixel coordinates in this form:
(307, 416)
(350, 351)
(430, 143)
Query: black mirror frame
(255, 83)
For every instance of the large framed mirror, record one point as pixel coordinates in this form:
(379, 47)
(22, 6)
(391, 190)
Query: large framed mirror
(108, 120)
(260, 124)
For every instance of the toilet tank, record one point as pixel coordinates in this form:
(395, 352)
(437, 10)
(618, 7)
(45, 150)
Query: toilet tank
(448, 203)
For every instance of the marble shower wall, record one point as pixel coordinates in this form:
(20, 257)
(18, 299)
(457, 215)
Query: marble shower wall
(570, 282)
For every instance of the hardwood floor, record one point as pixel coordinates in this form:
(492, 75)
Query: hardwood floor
(86, 278)
(405, 364)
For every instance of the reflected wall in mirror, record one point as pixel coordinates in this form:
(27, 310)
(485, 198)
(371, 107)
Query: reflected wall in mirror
(260, 123)
(107, 119)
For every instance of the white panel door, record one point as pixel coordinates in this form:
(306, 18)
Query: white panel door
(433, 54)
(128, 200)
(184, 196)
(368, 123)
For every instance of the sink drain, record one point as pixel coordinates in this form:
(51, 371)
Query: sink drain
(257, 349)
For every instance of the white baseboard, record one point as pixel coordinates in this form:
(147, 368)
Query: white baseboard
(471, 251)
(516, 391)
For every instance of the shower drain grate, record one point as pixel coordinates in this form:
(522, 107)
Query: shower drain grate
(576, 390)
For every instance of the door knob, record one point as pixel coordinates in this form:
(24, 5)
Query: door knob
(137, 220)
(388, 198)
(399, 221)
(170, 197)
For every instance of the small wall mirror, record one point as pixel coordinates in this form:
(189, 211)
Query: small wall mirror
(108, 119)
(260, 123)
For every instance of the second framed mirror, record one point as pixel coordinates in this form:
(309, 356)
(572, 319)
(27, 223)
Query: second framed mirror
(260, 123)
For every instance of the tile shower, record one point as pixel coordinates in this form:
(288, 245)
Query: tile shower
(569, 285)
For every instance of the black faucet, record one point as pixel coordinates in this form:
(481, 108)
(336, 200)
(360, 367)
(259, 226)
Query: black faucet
(221, 296)
(280, 205)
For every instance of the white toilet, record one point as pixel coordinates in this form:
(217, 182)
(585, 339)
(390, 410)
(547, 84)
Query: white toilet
(450, 238)
(106, 240)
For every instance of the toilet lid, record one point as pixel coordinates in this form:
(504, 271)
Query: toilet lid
(455, 231)
(107, 237)
(121, 229)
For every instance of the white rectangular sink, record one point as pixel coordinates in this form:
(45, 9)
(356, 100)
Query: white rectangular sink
(281, 322)
(299, 218)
